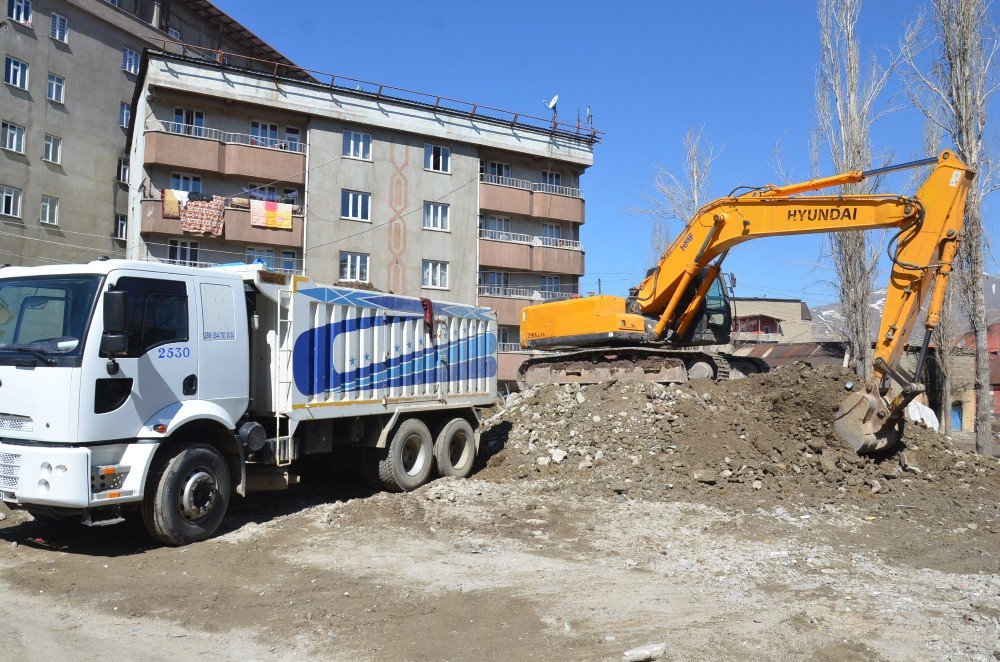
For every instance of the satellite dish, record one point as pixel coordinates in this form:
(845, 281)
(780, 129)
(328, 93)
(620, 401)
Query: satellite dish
(555, 100)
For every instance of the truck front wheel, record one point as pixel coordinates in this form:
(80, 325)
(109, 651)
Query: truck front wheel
(187, 497)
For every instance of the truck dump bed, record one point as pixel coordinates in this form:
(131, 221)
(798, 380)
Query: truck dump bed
(338, 351)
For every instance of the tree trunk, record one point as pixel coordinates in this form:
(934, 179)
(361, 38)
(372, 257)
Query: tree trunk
(945, 404)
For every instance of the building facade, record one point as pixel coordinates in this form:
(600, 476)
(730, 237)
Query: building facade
(70, 69)
(374, 186)
(767, 320)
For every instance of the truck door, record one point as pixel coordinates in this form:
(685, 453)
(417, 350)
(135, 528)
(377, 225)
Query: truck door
(223, 355)
(160, 365)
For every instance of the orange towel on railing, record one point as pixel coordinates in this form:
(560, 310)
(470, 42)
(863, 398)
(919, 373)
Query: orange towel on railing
(171, 206)
(274, 215)
(204, 216)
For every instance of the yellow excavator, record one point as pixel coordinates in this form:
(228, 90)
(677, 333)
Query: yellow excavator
(652, 335)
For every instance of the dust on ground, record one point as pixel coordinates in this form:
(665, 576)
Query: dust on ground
(723, 520)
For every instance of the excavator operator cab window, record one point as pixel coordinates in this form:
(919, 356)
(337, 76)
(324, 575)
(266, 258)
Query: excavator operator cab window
(717, 314)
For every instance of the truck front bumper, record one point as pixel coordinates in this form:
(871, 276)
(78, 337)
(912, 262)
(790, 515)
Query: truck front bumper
(73, 476)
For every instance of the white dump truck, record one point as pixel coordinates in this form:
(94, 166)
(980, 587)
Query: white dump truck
(130, 386)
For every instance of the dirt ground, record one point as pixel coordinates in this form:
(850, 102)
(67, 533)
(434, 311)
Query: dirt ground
(786, 556)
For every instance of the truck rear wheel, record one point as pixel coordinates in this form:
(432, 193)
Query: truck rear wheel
(455, 449)
(406, 463)
(187, 497)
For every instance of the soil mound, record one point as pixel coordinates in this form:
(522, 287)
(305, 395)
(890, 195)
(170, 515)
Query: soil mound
(764, 438)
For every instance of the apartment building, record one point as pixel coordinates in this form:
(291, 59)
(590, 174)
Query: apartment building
(358, 183)
(70, 68)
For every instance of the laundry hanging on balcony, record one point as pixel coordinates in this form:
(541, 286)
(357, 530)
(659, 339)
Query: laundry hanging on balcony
(204, 216)
(172, 202)
(274, 215)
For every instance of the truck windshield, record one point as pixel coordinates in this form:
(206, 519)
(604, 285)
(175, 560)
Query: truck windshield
(45, 315)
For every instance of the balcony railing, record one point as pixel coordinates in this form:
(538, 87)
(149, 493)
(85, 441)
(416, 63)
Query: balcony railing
(522, 293)
(509, 347)
(537, 187)
(530, 239)
(228, 137)
(748, 336)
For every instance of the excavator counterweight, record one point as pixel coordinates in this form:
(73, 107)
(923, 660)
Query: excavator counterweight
(663, 329)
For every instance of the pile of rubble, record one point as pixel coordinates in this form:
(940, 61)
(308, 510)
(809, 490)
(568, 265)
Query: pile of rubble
(769, 435)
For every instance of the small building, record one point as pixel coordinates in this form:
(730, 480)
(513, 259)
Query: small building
(768, 320)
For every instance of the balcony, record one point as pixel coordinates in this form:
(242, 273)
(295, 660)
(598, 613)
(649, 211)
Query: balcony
(205, 149)
(525, 252)
(508, 301)
(754, 337)
(519, 196)
(237, 227)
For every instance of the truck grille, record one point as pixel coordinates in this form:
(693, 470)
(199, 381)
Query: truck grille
(16, 423)
(10, 470)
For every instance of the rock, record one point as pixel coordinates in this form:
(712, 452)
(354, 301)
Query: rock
(558, 455)
(828, 463)
(644, 653)
(757, 485)
(579, 398)
(543, 461)
(3, 516)
(596, 419)
(704, 476)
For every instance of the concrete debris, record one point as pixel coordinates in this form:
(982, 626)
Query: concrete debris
(644, 653)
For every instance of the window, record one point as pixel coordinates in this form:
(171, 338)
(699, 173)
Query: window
(263, 256)
(263, 134)
(10, 201)
(49, 211)
(493, 282)
(54, 89)
(355, 205)
(262, 192)
(58, 27)
(113, 3)
(122, 170)
(174, 33)
(292, 138)
(289, 195)
(188, 121)
(130, 61)
(435, 274)
(436, 216)
(437, 158)
(13, 136)
(157, 313)
(357, 145)
(125, 115)
(499, 224)
(180, 181)
(551, 234)
(121, 227)
(52, 150)
(19, 10)
(354, 266)
(500, 170)
(289, 261)
(766, 328)
(181, 251)
(550, 284)
(551, 178)
(15, 72)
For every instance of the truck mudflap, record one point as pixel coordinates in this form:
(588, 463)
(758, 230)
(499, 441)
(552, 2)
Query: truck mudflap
(74, 477)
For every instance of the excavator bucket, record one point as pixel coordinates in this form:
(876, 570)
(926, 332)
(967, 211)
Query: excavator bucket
(857, 424)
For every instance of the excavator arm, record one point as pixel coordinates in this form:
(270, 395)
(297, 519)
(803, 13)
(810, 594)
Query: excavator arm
(665, 306)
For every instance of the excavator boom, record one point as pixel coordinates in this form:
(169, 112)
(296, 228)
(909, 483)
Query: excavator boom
(680, 303)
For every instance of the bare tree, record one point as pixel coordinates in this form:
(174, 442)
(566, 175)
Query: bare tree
(849, 100)
(952, 88)
(680, 197)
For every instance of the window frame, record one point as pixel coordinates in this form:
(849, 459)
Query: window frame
(15, 195)
(61, 83)
(137, 331)
(265, 141)
(438, 268)
(55, 22)
(350, 142)
(23, 72)
(286, 255)
(363, 204)
(190, 248)
(439, 216)
(173, 33)
(196, 127)
(46, 204)
(19, 133)
(548, 281)
(123, 167)
(253, 253)
(444, 156)
(180, 177)
(56, 143)
(26, 11)
(548, 175)
(125, 115)
(130, 58)
(287, 143)
(121, 221)
(270, 192)
(358, 267)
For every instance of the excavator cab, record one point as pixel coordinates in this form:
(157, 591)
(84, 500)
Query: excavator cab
(713, 325)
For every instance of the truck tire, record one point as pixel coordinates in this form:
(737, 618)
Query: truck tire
(455, 449)
(187, 496)
(406, 463)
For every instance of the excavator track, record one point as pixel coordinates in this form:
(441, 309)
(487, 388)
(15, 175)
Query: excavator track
(642, 364)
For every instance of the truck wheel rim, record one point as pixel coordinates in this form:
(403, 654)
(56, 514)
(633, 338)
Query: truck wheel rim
(458, 450)
(413, 455)
(199, 494)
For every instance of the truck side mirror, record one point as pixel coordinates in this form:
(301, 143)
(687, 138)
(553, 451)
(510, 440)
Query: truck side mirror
(114, 340)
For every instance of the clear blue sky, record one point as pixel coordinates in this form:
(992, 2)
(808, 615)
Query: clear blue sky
(649, 71)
